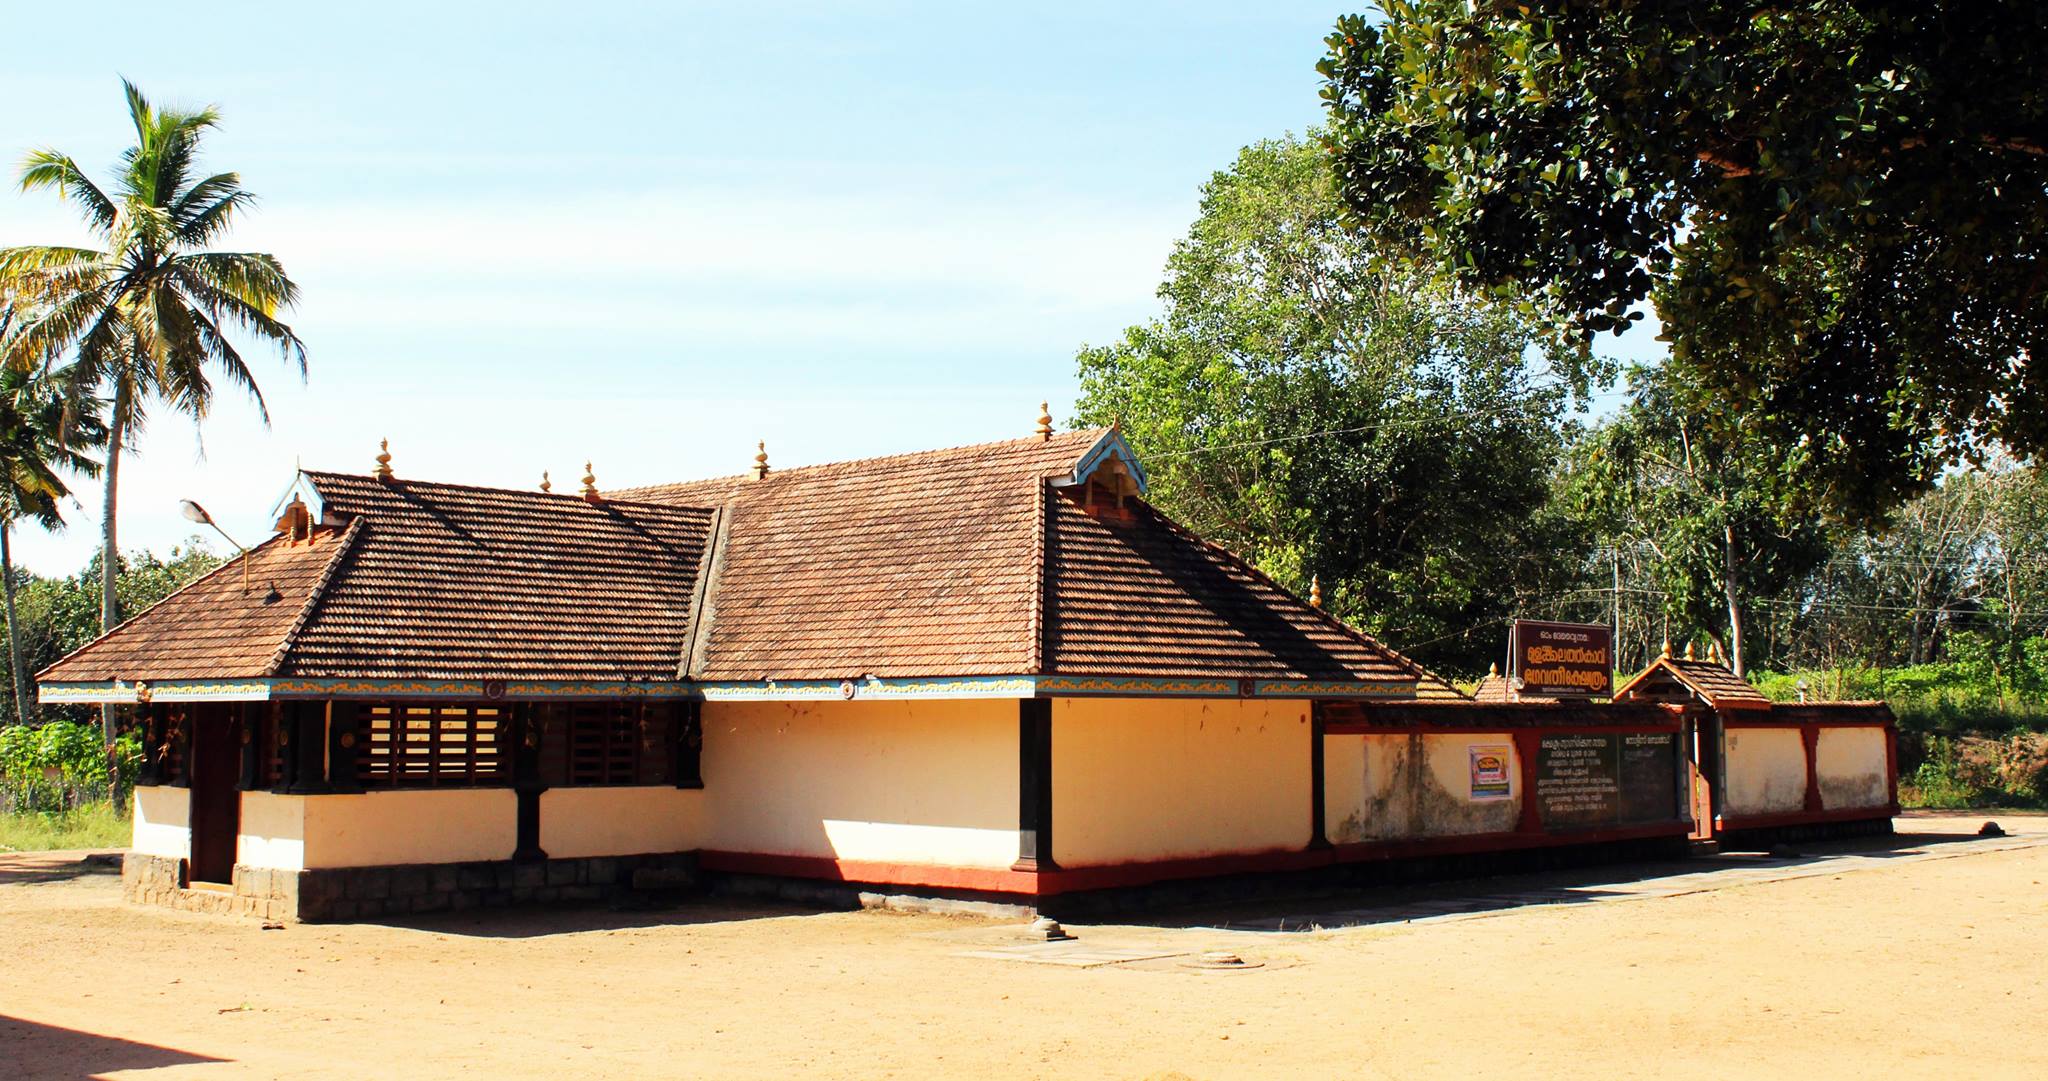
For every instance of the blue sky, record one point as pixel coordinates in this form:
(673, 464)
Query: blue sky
(649, 235)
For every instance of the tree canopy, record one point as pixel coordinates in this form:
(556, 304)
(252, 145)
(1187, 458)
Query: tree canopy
(1330, 419)
(1839, 209)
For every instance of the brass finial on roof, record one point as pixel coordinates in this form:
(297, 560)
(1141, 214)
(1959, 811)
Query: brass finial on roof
(546, 485)
(761, 460)
(383, 459)
(1667, 647)
(1688, 650)
(1044, 429)
(589, 483)
(1493, 670)
(1315, 590)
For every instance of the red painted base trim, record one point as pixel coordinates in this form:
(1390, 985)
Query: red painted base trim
(1728, 823)
(1476, 843)
(1121, 875)
(930, 876)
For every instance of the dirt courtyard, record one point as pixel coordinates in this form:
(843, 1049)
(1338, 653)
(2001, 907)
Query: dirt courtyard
(1927, 963)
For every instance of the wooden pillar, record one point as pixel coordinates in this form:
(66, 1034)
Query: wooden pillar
(344, 736)
(528, 733)
(689, 745)
(1318, 797)
(304, 727)
(250, 730)
(1809, 739)
(1034, 785)
(1528, 742)
(149, 726)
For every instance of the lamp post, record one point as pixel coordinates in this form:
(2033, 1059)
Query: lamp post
(193, 512)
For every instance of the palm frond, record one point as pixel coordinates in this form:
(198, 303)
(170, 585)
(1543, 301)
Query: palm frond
(47, 168)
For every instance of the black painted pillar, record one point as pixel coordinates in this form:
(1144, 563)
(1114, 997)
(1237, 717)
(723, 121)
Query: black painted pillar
(528, 732)
(1318, 836)
(1034, 786)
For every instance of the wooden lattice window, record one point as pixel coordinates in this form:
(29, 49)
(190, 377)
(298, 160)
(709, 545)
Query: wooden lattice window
(609, 743)
(407, 745)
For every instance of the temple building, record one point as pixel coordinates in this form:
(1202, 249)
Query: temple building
(988, 672)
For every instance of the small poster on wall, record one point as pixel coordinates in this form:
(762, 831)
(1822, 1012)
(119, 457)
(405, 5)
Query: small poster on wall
(1489, 771)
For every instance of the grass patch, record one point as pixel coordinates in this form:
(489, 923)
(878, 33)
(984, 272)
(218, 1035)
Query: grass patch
(92, 825)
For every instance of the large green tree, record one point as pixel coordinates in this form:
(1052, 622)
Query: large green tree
(1705, 502)
(1839, 208)
(1333, 420)
(42, 437)
(149, 313)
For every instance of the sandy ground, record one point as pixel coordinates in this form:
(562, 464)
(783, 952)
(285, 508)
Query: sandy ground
(1906, 967)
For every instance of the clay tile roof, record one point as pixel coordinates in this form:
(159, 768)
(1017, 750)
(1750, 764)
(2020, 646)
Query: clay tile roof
(1145, 597)
(960, 562)
(213, 628)
(431, 581)
(450, 581)
(1714, 683)
(1493, 689)
(913, 565)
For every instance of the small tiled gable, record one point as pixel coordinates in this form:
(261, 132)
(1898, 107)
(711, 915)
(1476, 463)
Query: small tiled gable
(1709, 681)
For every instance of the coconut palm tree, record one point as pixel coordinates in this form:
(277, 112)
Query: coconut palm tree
(46, 428)
(147, 314)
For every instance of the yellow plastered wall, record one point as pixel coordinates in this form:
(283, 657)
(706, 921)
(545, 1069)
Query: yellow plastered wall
(1403, 787)
(1153, 779)
(454, 825)
(929, 782)
(1851, 766)
(626, 821)
(1766, 770)
(163, 822)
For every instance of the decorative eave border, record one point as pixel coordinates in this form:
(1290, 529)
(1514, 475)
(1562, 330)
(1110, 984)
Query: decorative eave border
(769, 690)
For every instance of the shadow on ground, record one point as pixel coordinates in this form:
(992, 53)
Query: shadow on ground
(31, 1051)
(28, 868)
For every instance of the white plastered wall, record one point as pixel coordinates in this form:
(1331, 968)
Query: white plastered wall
(374, 829)
(910, 781)
(1851, 766)
(163, 822)
(1406, 787)
(1164, 778)
(1766, 771)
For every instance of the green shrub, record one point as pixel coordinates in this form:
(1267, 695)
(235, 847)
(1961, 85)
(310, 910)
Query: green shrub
(60, 765)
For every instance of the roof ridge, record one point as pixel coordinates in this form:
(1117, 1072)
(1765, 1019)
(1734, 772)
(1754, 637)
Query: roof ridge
(342, 544)
(783, 471)
(604, 499)
(1042, 525)
(1393, 654)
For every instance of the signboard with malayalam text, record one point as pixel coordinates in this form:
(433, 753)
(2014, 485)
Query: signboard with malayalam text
(1561, 660)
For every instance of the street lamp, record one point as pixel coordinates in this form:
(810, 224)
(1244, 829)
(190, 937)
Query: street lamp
(193, 512)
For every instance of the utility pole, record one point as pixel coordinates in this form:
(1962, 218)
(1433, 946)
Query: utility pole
(1616, 553)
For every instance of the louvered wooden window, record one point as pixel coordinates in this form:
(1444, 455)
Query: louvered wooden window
(403, 745)
(608, 743)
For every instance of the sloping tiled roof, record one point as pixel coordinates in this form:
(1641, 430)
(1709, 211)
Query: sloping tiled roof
(1493, 689)
(913, 565)
(213, 628)
(1714, 683)
(431, 581)
(961, 562)
(1144, 597)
